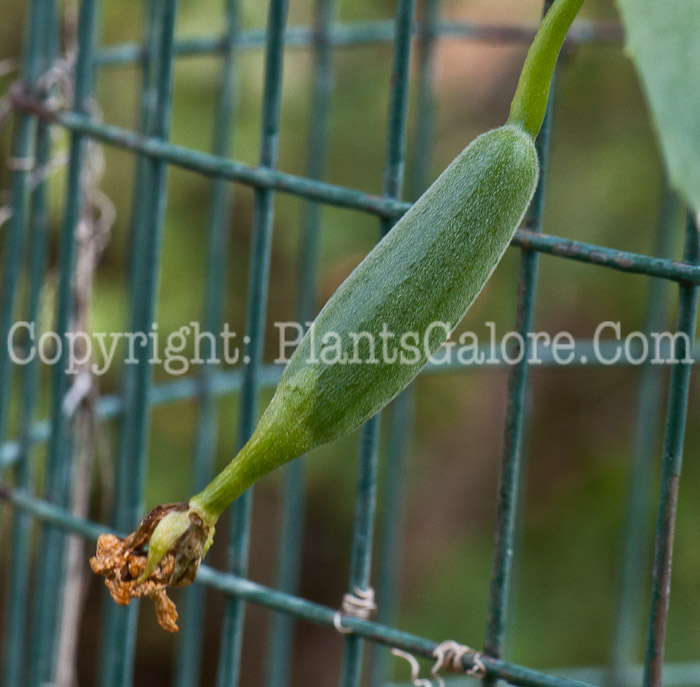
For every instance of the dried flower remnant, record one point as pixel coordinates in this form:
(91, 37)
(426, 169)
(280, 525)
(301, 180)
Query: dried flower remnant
(122, 567)
(178, 540)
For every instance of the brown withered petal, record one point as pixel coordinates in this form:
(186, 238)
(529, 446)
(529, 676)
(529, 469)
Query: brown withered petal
(165, 611)
(123, 561)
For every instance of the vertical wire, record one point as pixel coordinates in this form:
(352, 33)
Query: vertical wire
(425, 116)
(256, 308)
(393, 507)
(365, 501)
(291, 539)
(511, 454)
(18, 584)
(147, 104)
(22, 140)
(671, 461)
(58, 471)
(394, 482)
(20, 543)
(189, 655)
(361, 555)
(636, 531)
(120, 623)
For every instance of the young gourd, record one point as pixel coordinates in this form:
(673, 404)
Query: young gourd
(417, 283)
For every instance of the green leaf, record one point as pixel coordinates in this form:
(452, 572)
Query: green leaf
(663, 39)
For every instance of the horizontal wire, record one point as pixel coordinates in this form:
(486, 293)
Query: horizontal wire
(362, 34)
(263, 177)
(585, 353)
(210, 165)
(603, 256)
(287, 603)
(676, 674)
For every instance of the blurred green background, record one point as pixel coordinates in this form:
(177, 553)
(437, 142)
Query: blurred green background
(605, 185)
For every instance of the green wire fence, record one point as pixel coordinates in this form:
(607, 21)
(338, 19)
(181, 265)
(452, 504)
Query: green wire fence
(30, 655)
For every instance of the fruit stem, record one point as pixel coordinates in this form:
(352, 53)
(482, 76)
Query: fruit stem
(268, 447)
(530, 100)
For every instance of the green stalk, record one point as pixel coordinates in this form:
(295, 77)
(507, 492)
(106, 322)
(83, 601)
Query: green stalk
(529, 103)
(252, 461)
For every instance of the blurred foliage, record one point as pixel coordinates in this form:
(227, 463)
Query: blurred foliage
(604, 185)
(665, 48)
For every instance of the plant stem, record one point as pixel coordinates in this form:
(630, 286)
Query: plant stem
(268, 447)
(530, 100)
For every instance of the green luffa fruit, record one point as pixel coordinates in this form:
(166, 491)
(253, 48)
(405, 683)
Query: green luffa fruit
(424, 274)
(428, 269)
(417, 282)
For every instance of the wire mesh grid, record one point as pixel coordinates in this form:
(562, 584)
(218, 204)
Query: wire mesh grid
(30, 658)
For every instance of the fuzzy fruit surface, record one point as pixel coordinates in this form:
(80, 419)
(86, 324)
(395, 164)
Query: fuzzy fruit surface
(429, 268)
